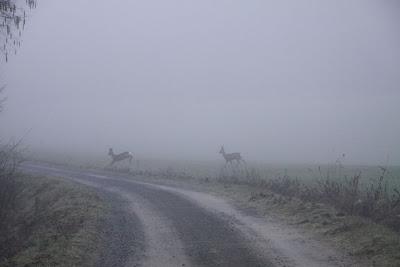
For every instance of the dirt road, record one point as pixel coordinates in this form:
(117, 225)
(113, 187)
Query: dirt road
(186, 228)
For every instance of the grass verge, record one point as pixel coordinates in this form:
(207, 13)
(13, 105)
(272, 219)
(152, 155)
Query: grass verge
(371, 243)
(51, 222)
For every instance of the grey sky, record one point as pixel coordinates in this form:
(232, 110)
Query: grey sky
(291, 81)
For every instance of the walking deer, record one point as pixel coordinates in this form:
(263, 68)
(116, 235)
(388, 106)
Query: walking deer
(230, 157)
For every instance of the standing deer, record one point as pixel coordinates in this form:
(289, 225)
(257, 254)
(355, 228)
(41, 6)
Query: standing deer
(231, 156)
(119, 157)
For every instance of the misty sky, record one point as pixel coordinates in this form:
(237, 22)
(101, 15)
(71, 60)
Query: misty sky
(279, 81)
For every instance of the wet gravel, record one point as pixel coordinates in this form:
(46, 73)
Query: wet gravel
(121, 231)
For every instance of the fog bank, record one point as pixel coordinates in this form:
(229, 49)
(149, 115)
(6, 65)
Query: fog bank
(278, 81)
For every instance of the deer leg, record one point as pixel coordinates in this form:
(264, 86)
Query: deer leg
(226, 163)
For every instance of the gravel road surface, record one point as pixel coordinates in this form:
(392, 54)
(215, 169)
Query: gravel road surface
(159, 225)
(177, 231)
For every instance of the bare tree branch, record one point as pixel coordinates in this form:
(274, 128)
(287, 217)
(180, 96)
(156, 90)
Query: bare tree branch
(12, 22)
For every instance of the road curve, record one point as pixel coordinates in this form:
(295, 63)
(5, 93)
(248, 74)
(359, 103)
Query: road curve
(177, 231)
